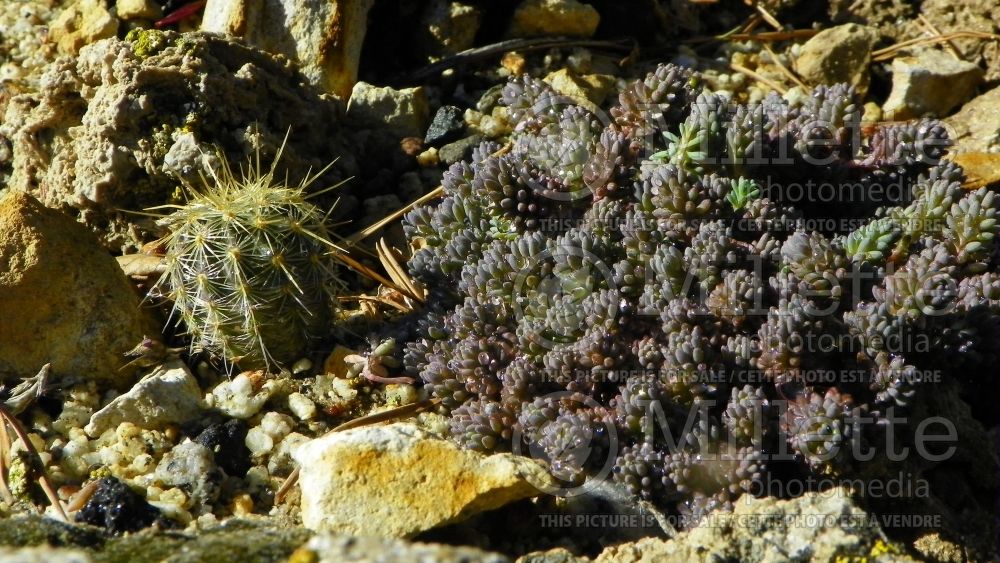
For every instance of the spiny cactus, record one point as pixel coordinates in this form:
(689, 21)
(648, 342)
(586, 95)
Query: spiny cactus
(249, 268)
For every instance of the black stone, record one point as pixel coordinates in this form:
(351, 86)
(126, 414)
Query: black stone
(117, 508)
(446, 126)
(228, 443)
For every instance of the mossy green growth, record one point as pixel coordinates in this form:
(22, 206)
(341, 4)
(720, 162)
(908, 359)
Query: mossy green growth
(147, 42)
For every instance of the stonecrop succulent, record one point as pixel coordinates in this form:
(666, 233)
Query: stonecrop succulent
(603, 276)
(249, 267)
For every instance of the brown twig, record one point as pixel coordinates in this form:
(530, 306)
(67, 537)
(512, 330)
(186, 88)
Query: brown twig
(770, 83)
(81, 497)
(4, 448)
(949, 44)
(787, 71)
(43, 480)
(890, 51)
(374, 227)
(520, 45)
(768, 36)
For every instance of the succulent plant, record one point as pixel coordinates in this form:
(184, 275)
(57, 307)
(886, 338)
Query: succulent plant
(249, 267)
(685, 306)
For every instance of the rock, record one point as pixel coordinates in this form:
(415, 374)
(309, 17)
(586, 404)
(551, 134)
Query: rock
(976, 127)
(242, 397)
(334, 548)
(448, 27)
(43, 554)
(556, 555)
(554, 17)
(950, 16)
(838, 54)
(446, 126)
(816, 526)
(592, 87)
(93, 137)
(63, 298)
(398, 480)
(191, 466)
(459, 150)
(169, 395)
(138, 10)
(81, 23)
(301, 406)
(931, 83)
(982, 169)
(117, 508)
(405, 112)
(227, 443)
(324, 36)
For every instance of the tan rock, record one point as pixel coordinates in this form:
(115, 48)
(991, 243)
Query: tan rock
(138, 10)
(398, 480)
(554, 17)
(324, 36)
(591, 87)
(63, 298)
(405, 112)
(930, 83)
(448, 27)
(838, 54)
(80, 23)
(976, 127)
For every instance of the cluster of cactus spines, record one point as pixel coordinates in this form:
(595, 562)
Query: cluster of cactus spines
(691, 280)
(249, 267)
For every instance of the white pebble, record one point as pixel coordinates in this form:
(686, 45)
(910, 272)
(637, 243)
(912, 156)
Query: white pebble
(277, 425)
(301, 406)
(258, 441)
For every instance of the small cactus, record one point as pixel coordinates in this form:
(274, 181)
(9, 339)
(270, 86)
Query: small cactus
(249, 268)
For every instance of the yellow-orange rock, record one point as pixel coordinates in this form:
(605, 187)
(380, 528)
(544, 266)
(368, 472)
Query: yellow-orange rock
(397, 481)
(63, 299)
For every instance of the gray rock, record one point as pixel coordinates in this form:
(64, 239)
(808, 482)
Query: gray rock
(448, 27)
(838, 54)
(816, 526)
(169, 395)
(398, 480)
(404, 112)
(976, 127)
(459, 150)
(64, 300)
(43, 554)
(93, 138)
(554, 17)
(931, 83)
(324, 36)
(331, 548)
(191, 466)
(446, 126)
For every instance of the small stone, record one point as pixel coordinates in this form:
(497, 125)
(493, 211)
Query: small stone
(976, 127)
(228, 442)
(448, 27)
(459, 150)
(931, 83)
(237, 398)
(982, 169)
(169, 395)
(258, 441)
(428, 158)
(490, 99)
(138, 10)
(81, 23)
(64, 300)
(446, 126)
(277, 425)
(405, 111)
(397, 481)
(117, 508)
(301, 406)
(335, 548)
(281, 462)
(191, 466)
(514, 63)
(411, 146)
(593, 88)
(838, 54)
(324, 36)
(554, 17)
